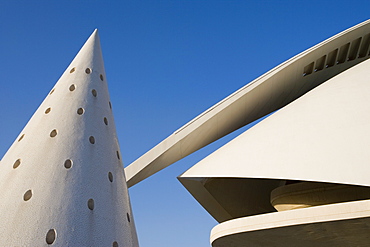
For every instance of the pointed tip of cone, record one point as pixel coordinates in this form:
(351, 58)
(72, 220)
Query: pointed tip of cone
(94, 33)
(90, 55)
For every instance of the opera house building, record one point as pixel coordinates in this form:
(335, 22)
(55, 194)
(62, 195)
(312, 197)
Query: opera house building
(299, 177)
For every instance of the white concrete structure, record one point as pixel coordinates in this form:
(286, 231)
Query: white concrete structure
(62, 181)
(308, 161)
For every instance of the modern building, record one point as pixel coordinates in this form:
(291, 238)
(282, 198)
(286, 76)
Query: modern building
(300, 177)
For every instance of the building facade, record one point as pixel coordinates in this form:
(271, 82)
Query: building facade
(298, 177)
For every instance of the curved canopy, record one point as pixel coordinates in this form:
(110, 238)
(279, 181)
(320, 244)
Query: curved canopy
(322, 136)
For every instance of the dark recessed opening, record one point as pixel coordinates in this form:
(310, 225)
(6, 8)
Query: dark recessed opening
(87, 70)
(353, 51)
(106, 121)
(332, 57)
(68, 163)
(101, 77)
(94, 93)
(50, 236)
(364, 46)
(17, 163)
(92, 139)
(308, 69)
(27, 195)
(320, 63)
(72, 70)
(80, 111)
(90, 204)
(20, 138)
(72, 87)
(53, 133)
(342, 55)
(110, 177)
(47, 110)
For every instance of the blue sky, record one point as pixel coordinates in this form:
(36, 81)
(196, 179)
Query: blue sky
(166, 62)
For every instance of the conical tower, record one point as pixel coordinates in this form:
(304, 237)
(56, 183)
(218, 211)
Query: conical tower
(62, 182)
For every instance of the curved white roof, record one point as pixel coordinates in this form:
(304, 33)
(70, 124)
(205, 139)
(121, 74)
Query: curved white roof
(270, 92)
(323, 136)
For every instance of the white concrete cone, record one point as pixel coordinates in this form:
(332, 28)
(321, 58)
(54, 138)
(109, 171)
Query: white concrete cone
(62, 181)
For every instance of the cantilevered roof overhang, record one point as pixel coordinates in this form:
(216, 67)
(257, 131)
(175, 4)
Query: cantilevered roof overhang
(271, 91)
(323, 136)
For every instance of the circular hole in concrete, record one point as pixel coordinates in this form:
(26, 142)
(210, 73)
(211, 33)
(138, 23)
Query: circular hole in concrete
(27, 195)
(118, 155)
(115, 244)
(17, 163)
(101, 77)
(92, 139)
(53, 133)
(72, 70)
(90, 204)
(128, 217)
(20, 138)
(50, 236)
(52, 91)
(110, 105)
(47, 110)
(110, 177)
(80, 111)
(94, 93)
(72, 87)
(87, 70)
(106, 121)
(68, 163)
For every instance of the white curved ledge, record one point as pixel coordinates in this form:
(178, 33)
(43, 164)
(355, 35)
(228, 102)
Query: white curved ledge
(342, 224)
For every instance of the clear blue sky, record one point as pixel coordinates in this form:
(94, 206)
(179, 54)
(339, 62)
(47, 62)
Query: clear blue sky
(166, 62)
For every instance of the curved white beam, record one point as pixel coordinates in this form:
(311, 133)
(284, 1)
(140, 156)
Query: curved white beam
(271, 91)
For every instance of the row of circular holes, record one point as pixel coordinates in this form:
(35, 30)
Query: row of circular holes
(87, 71)
(90, 204)
(67, 164)
(73, 87)
(80, 111)
(54, 133)
(50, 236)
(94, 93)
